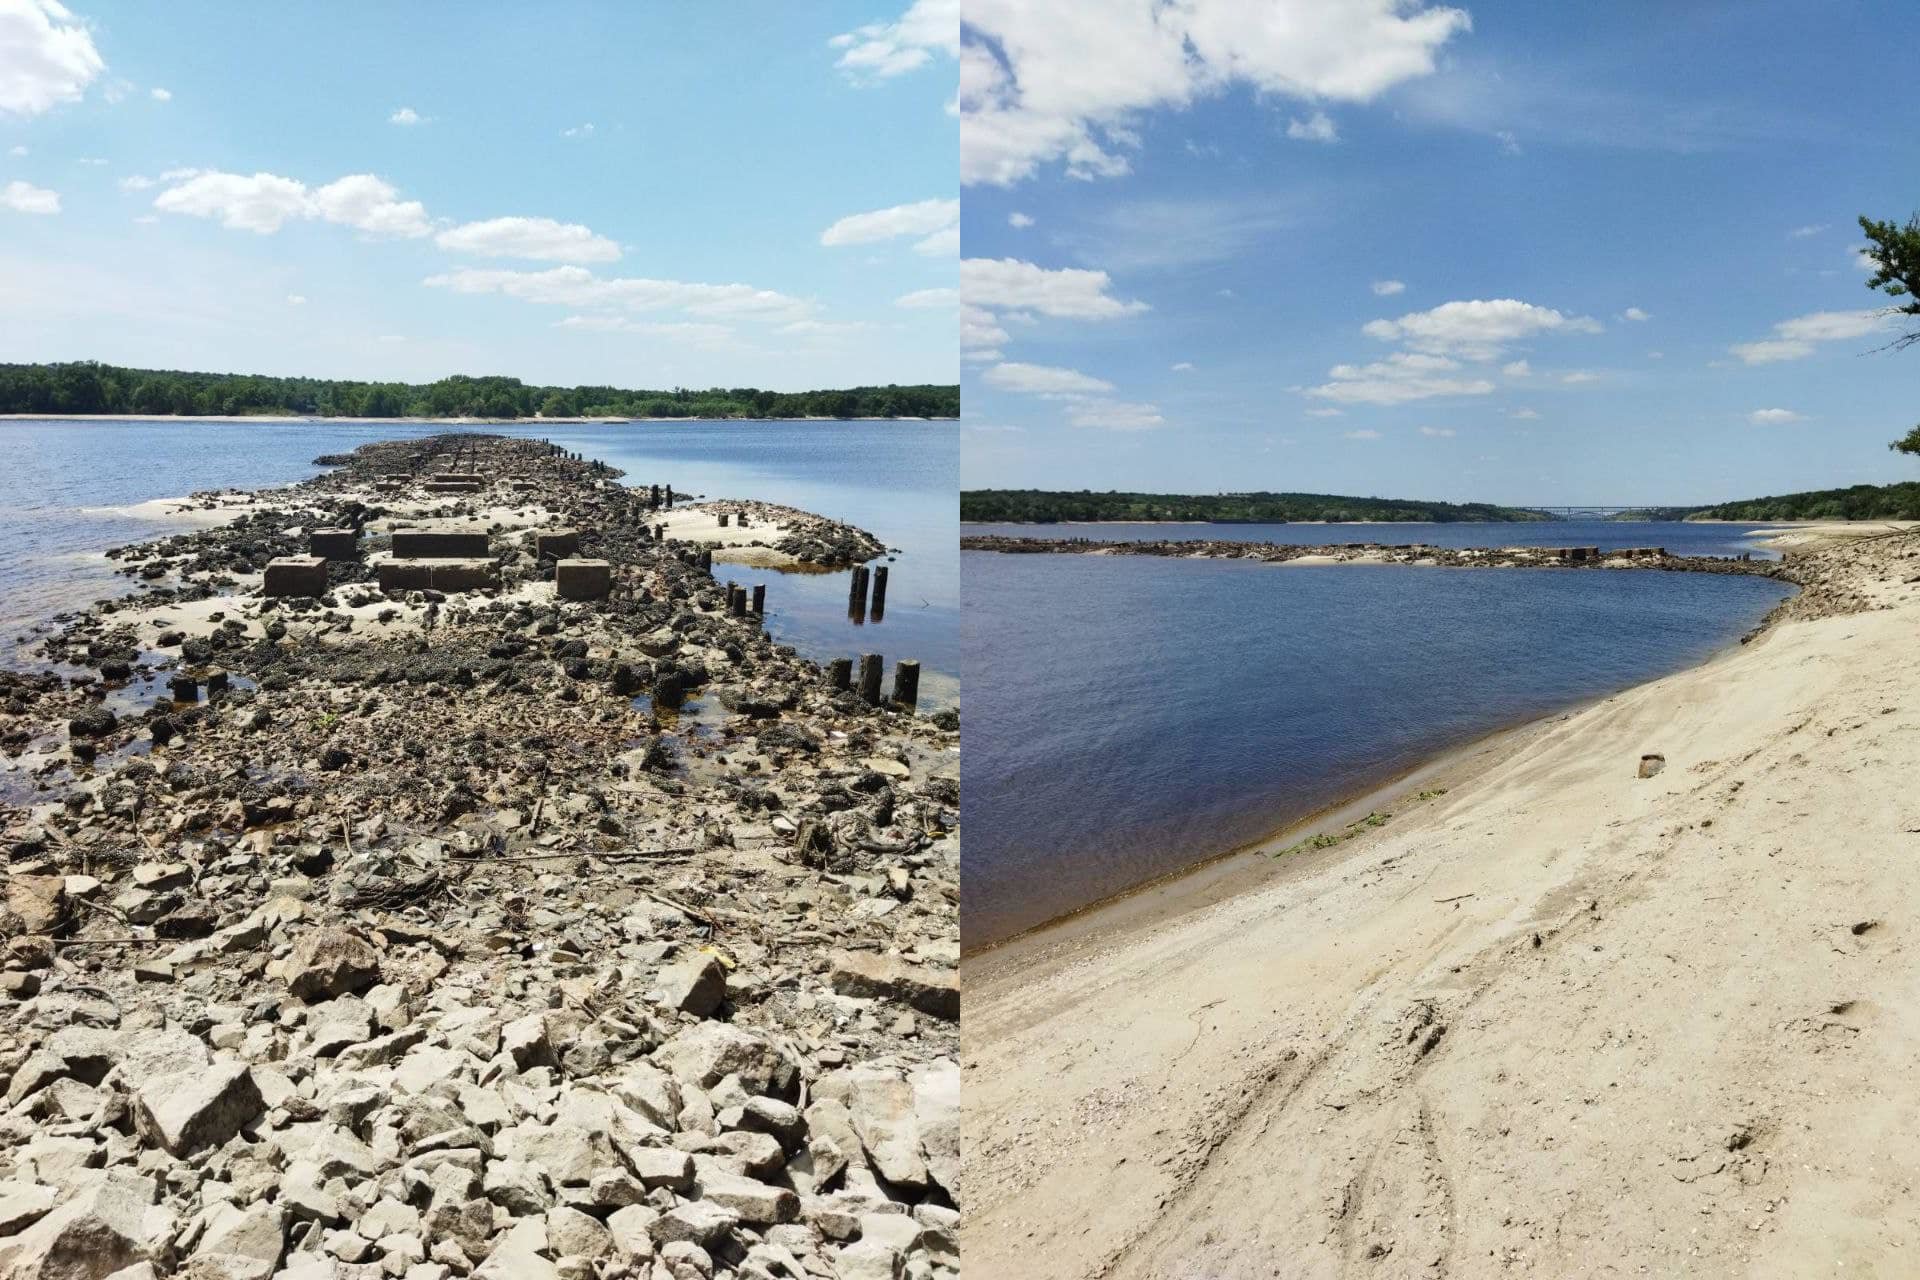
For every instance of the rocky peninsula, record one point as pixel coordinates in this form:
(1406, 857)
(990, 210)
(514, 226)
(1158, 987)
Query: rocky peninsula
(433, 869)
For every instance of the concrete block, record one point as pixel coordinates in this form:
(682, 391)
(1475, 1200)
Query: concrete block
(583, 579)
(396, 576)
(296, 576)
(457, 477)
(442, 487)
(466, 575)
(334, 544)
(559, 544)
(443, 542)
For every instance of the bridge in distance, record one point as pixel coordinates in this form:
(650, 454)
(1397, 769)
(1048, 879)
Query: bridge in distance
(1602, 511)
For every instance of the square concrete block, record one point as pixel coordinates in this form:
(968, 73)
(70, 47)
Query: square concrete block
(334, 544)
(441, 542)
(583, 579)
(559, 544)
(296, 576)
(457, 477)
(466, 575)
(396, 576)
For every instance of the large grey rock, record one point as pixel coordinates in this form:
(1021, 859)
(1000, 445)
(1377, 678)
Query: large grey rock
(699, 1222)
(331, 962)
(695, 985)
(99, 1230)
(188, 1110)
(882, 1106)
(936, 1112)
(864, 974)
(708, 1053)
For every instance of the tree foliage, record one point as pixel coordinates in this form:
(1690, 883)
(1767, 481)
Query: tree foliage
(1041, 506)
(1894, 251)
(86, 387)
(1861, 502)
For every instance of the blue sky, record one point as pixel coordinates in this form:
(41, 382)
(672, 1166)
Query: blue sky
(641, 195)
(1503, 251)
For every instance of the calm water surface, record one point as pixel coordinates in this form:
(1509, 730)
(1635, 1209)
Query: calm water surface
(61, 481)
(1128, 717)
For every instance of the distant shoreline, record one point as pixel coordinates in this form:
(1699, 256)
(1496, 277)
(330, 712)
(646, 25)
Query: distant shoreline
(475, 422)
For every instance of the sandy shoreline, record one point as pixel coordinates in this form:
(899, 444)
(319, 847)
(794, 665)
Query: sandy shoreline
(1561, 1020)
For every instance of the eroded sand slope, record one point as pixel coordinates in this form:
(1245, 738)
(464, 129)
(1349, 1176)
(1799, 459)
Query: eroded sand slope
(1560, 1021)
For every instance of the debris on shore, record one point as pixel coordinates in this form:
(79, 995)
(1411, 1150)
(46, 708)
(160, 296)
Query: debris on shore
(433, 871)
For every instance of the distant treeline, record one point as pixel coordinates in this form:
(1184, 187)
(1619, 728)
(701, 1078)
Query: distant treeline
(1861, 502)
(1042, 506)
(86, 387)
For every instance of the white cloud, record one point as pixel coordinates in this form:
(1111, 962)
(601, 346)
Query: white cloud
(406, 116)
(1040, 379)
(296, 300)
(1061, 82)
(1813, 229)
(1767, 417)
(265, 202)
(17, 151)
(1185, 366)
(24, 197)
(981, 334)
(541, 239)
(160, 95)
(1526, 415)
(578, 131)
(46, 57)
(941, 244)
(1318, 127)
(135, 182)
(883, 50)
(1476, 330)
(578, 287)
(1115, 415)
(1634, 313)
(1862, 260)
(1402, 377)
(1364, 433)
(1326, 411)
(1067, 293)
(921, 299)
(921, 218)
(1517, 369)
(1795, 339)
(1019, 220)
(1579, 376)
(1387, 288)
(1438, 433)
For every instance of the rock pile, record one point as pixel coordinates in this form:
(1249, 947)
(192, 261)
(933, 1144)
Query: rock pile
(470, 935)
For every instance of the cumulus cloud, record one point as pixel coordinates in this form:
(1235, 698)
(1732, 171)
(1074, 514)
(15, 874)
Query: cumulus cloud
(1185, 366)
(160, 95)
(1115, 415)
(1769, 417)
(24, 197)
(981, 334)
(47, 57)
(1634, 313)
(1019, 220)
(265, 202)
(882, 50)
(1438, 433)
(1812, 229)
(1477, 329)
(1797, 338)
(1517, 369)
(406, 116)
(1068, 293)
(1579, 376)
(1040, 379)
(921, 299)
(1046, 83)
(1387, 288)
(1318, 127)
(922, 218)
(577, 287)
(540, 239)
(1402, 377)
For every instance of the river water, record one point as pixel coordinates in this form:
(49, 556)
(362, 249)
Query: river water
(63, 485)
(1130, 716)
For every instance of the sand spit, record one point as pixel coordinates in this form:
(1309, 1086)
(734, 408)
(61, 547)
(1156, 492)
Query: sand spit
(432, 932)
(1633, 998)
(1408, 553)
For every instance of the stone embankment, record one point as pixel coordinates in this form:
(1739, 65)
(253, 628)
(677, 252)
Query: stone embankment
(434, 872)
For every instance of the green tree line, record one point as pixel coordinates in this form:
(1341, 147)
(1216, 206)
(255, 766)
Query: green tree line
(1043, 506)
(86, 387)
(1860, 502)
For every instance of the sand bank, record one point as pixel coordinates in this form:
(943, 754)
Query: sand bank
(1562, 1020)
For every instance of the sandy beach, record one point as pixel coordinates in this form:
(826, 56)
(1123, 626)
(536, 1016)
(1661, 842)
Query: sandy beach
(1560, 1020)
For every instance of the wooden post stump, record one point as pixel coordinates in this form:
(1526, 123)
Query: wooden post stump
(906, 683)
(871, 665)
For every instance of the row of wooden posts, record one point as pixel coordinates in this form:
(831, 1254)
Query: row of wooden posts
(858, 606)
(906, 679)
